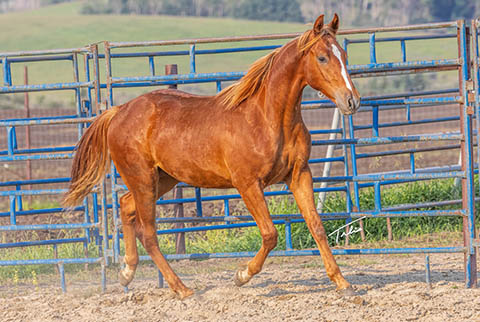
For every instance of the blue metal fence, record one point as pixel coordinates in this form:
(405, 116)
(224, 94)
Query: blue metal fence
(350, 142)
(354, 142)
(86, 231)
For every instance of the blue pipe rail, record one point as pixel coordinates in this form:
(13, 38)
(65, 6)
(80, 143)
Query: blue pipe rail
(307, 252)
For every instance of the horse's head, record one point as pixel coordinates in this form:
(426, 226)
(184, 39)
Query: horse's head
(325, 67)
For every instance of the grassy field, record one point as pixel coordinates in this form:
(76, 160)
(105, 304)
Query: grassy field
(61, 26)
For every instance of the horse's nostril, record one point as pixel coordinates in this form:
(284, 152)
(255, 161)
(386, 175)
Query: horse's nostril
(350, 103)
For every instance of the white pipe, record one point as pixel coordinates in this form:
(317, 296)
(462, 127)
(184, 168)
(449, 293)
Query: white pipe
(328, 165)
(458, 181)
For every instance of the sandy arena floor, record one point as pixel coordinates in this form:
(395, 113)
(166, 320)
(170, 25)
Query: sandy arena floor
(390, 288)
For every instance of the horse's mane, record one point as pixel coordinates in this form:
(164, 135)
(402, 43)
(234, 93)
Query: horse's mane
(255, 77)
(249, 84)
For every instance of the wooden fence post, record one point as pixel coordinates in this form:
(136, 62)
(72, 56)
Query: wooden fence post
(177, 192)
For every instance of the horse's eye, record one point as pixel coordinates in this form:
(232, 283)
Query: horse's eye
(322, 59)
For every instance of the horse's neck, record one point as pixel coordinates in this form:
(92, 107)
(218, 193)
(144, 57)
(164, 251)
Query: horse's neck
(284, 87)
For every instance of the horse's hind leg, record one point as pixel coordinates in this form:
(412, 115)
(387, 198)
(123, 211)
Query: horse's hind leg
(131, 229)
(146, 186)
(255, 202)
(127, 215)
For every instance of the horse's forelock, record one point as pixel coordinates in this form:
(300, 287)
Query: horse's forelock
(310, 38)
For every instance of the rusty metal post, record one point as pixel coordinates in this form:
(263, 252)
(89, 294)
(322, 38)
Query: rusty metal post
(177, 192)
(466, 147)
(389, 229)
(362, 231)
(96, 76)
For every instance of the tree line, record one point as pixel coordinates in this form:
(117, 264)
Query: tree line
(274, 10)
(357, 12)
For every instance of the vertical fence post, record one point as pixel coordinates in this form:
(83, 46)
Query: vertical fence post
(108, 71)
(356, 190)
(288, 235)
(13, 206)
(468, 190)
(96, 71)
(373, 52)
(27, 128)
(105, 243)
(87, 108)
(172, 69)
(193, 68)
(115, 213)
(476, 82)
(7, 76)
(328, 165)
(428, 278)
(61, 269)
(78, 95)
(151, 65)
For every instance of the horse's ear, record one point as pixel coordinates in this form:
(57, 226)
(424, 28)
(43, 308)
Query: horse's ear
(318, 25)
(335, 23)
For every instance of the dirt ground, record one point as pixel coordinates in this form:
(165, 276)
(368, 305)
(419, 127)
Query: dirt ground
(389, 288)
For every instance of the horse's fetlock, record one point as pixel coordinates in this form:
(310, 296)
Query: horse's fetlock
(131, 261)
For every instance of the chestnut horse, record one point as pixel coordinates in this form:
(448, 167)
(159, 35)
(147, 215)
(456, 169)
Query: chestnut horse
(248, 136)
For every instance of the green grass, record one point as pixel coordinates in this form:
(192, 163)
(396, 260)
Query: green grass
(61, 26)
(375, 228)
(249, 239)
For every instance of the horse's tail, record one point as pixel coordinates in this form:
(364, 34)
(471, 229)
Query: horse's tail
(91, 159)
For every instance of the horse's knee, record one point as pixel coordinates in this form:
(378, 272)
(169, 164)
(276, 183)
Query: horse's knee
(270, 239)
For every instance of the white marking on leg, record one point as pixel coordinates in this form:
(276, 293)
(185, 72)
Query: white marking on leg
(128, 272)
(338, 54)
(244, 276)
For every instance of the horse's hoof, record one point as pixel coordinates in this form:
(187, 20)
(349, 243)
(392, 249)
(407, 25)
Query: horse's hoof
(347, 292)
(239, 279)
(183, 294)
(124, 280)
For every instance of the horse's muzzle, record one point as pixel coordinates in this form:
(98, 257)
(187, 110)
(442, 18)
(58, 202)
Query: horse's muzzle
(349, 105)
(353, 103)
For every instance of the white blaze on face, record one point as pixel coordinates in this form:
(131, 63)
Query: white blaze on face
(338, 54)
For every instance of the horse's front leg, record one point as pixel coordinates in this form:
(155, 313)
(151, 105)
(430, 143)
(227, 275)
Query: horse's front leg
(255, 202)
(301, 184)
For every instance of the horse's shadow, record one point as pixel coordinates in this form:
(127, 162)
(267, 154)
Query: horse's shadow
(363, 280)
